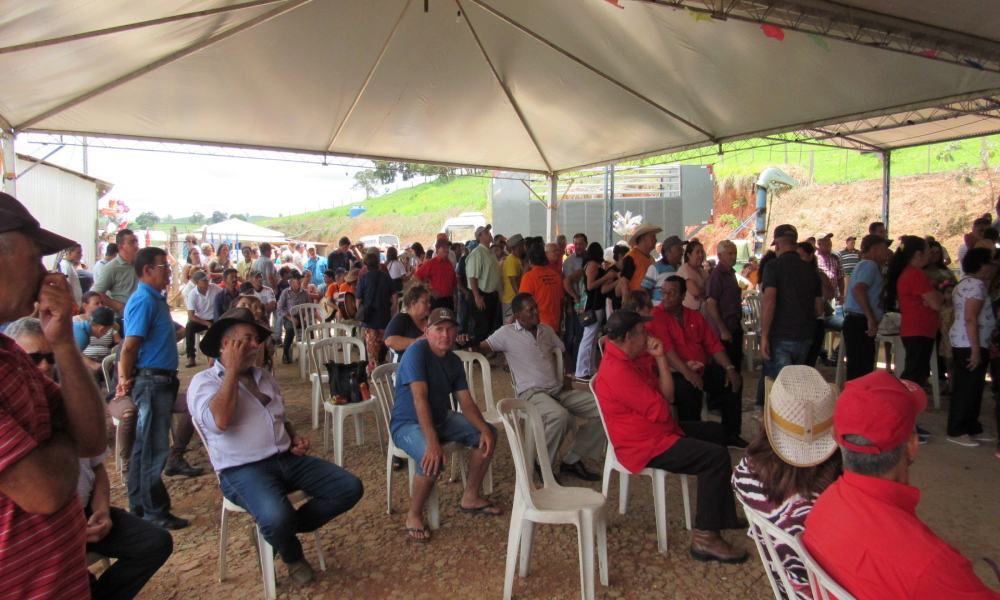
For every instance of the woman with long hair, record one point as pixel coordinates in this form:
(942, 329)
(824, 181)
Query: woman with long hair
(397, 272)
(910, 290)
(936, 269)
(375, 292)
(219, 263)
(694, 273)
(410, 326)
(782, 474)
(974, 323)
(598, 282)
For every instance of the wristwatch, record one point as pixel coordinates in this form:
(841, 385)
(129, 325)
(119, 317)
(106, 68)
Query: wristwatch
(730, 367)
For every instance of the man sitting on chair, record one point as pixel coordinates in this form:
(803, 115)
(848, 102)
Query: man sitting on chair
(254, 448)
(422, 419)
(635, 389)
(527, 344)
(874, 424)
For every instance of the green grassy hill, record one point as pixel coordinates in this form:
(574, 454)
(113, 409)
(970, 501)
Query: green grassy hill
(397, 213)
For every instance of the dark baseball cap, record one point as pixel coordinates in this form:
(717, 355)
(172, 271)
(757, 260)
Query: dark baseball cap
(623, 321)
(15, 217)
(871, 240)
(441, 314)
(786, 230)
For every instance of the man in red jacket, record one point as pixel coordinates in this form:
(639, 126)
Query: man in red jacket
(635, 390)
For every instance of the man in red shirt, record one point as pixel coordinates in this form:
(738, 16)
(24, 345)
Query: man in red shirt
(689, 344)
(439, 274)
(44, 428)
(545, 285)
(635, 390)
(874, 424)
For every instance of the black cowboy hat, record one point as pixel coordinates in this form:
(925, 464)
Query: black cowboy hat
(211, 343)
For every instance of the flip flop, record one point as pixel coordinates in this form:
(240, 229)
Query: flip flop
(411, 530)
(480, 510)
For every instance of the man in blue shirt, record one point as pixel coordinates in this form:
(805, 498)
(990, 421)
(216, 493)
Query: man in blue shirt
(148, 372)
(224, 301)
(863, 308)
(422, 420)
(315, 265)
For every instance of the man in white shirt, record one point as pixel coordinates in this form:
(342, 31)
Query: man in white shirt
(200, 303)
(255, 450)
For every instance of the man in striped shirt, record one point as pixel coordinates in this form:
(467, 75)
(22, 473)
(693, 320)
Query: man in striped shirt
(44, 428)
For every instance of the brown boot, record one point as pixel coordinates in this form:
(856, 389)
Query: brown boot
(709, 545)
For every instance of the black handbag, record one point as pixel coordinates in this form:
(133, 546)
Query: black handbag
(587, 318)
(348, 381)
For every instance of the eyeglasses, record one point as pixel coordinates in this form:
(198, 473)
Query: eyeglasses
(38, 357)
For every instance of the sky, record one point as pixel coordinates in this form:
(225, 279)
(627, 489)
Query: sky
(181, 184)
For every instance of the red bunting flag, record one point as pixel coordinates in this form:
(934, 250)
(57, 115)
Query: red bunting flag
(615, 2)
(773, 31)
(931, 53)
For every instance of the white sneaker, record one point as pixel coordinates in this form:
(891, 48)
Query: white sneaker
(963, 440)
(984, 437)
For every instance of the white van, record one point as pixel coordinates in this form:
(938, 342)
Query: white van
(463, 227)
(380, 240)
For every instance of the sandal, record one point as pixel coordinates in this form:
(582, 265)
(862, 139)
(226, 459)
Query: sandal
(480, 510)
(411, 530)
(398, 464)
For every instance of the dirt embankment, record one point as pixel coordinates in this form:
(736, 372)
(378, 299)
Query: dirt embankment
(935, 204)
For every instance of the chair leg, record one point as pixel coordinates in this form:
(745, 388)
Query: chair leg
(585, 540)
(359, 430)
(623, 481)
(527, 546)
(378, 429)
(513, 542)
(687, 501)
(434, 509)
(488, 480)
(223, 538)
(660, 508)
(326, 431)
(319, 550)
(317, 395)
(935, 377)
(338, 439)
(266, 566)
(608, 470)
(388, 483)
(412, 465)
(602, 545)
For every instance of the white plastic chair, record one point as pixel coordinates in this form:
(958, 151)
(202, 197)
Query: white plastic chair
(266, 557)
(488, 407)
(307, 317)
(313, 333)
(751, 326)
(556, 360)
(659, 481)
(552, 504)
(108, 366)
(383, 378)
(822, 585)
(342, 350)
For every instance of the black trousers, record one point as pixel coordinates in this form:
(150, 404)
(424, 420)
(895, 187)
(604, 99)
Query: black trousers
(443, 302)
(918, 358)
(289, 338)
(734, 350)
(140, 548)
(860, 347)
(702, 452)
(687, 399)
(193, 329)
(967, 393)
(487, 320)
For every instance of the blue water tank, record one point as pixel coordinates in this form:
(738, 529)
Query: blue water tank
(356, 210)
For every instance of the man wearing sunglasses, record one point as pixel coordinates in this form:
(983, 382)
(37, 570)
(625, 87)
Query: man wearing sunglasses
(44, 428)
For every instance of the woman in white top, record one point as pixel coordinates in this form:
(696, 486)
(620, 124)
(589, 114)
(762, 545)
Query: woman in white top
(695, 274)
(397, 272)
(67, 266)
(969, 336)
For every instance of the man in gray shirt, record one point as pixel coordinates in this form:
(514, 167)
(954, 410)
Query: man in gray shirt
(117, 280)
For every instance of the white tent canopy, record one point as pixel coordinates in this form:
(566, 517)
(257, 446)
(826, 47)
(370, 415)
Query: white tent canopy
(541, 86)
(244, 231)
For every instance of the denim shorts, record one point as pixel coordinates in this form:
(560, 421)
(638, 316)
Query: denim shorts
(409, 437)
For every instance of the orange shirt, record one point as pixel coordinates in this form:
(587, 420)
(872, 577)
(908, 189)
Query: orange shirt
(346, 287)
(547, 289)
(642, 264)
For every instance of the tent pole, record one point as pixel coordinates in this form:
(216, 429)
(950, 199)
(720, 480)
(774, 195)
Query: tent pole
(9, 163)
(886, 171)
(550, 212)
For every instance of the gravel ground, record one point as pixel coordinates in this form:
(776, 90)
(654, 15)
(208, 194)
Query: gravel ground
(369, 556)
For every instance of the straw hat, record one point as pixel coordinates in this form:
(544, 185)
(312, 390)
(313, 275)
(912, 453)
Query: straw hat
(642, 230)
(798, 415)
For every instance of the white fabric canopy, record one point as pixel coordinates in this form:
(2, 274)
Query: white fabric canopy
(529, 85)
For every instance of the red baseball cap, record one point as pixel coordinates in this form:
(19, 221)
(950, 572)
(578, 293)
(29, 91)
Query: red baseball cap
(880, 408)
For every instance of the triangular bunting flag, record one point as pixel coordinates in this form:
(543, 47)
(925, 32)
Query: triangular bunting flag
(930, 53)
(615, 2)
(773, 31)
(698, 16)
(974, 64)
(819, 41)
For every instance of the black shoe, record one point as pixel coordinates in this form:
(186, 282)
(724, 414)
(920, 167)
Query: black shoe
(286, 360)
(181, 467)
(578, 470)
(137, 511)
(170, 522)
(737, 442)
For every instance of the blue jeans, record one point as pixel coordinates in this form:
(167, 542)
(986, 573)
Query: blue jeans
(783, 353)
(140, 548)
(154, 397)
(261, 488)
(409, 437)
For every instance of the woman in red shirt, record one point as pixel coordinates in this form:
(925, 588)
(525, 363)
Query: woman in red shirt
(910, 288)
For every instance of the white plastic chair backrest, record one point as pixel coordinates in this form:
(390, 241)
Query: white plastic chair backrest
(753, 320)
(306, 314)
(555, 359)
(601, 343)
(337, 349)
(384, 380)
(766, 535)
(823, 586)
(204, 441)
(321, 331)
(107, 365)
(469, 362)
(611, 449)
(511, 410)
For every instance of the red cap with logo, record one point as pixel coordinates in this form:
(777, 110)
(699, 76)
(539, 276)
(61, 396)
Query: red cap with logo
(880, 408)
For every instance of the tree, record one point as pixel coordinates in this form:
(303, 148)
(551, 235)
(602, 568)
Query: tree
(197, 218)
(240, 217)
(147, 219)
(385, 172)
(219, 216)
(168, 218)
(366, 180)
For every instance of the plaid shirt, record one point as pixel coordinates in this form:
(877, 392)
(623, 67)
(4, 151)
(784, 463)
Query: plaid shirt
(832, 266)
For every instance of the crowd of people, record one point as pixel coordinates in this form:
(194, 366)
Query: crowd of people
(655, 329)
